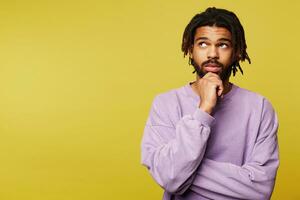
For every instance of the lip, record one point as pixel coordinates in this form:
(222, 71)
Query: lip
(212, 68)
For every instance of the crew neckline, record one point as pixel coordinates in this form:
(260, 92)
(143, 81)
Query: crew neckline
(195, 96)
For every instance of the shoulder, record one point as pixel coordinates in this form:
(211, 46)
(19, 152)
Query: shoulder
(256, 101)
(166, 105)
(170, 97)
(251, 96)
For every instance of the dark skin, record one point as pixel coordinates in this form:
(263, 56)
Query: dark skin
(211, 43)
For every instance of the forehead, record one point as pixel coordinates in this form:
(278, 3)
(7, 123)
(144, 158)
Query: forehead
(212, 33)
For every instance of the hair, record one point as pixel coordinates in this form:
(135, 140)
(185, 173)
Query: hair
(220, 18)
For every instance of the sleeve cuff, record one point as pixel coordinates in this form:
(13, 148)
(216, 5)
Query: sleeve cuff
(203, 117)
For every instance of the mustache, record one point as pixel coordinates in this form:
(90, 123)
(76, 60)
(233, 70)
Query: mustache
(212, 61)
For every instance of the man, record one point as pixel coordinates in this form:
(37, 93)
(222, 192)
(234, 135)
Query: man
(211, 139)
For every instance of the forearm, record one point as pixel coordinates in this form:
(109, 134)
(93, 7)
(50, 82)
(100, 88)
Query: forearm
(252, 182)
(255, 178)
(172, 163)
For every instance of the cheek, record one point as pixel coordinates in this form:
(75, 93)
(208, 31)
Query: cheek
(227, 57)
(199, 56)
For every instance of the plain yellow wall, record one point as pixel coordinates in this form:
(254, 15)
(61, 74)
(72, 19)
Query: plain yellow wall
(77, 79)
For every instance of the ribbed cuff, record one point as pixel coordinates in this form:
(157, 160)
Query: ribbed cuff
(203, 117)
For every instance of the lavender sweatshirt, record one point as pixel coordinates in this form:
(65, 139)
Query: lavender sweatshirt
(230, 154)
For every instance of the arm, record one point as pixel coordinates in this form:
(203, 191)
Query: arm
(255, 179)
(172, 154)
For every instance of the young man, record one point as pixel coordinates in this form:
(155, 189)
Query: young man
(211, 139)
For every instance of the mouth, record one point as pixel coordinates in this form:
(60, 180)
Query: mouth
(212, 68)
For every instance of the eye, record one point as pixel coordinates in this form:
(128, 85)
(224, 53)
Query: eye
(223, 45)
(202, 44)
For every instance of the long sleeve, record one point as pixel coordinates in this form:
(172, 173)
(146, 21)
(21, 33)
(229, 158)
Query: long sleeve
(172, 153)
(253, 180)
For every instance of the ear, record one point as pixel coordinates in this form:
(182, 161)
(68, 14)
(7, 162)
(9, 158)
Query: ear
(191, 52)
(236, 57)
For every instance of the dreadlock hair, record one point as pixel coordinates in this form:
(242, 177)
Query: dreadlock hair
(220, 18)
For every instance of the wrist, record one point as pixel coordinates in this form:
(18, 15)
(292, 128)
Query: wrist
(206, 108)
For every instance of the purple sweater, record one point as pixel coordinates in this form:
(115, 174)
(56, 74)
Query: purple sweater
(231, 154)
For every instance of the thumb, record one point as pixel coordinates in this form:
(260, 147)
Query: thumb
(220, 90)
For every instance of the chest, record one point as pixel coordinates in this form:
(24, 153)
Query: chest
(233, 134)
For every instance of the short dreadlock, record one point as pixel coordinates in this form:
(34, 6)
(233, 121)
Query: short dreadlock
(220, 18)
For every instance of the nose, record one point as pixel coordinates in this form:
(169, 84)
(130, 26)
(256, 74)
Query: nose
(212, 53)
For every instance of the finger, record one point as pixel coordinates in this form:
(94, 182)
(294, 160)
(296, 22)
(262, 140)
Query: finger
(220, 92)
(217, 84)
(211, 74)
(215, 80)
(220, 88)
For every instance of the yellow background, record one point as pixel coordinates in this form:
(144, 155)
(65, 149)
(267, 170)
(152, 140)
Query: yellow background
(77, 79)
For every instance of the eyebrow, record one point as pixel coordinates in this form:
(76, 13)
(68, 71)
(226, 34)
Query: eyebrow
(221, 39)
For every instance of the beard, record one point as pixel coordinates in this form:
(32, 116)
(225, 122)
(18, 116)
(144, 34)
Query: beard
(224, 75)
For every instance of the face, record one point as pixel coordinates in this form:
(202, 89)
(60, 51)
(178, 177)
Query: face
(212, 51)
